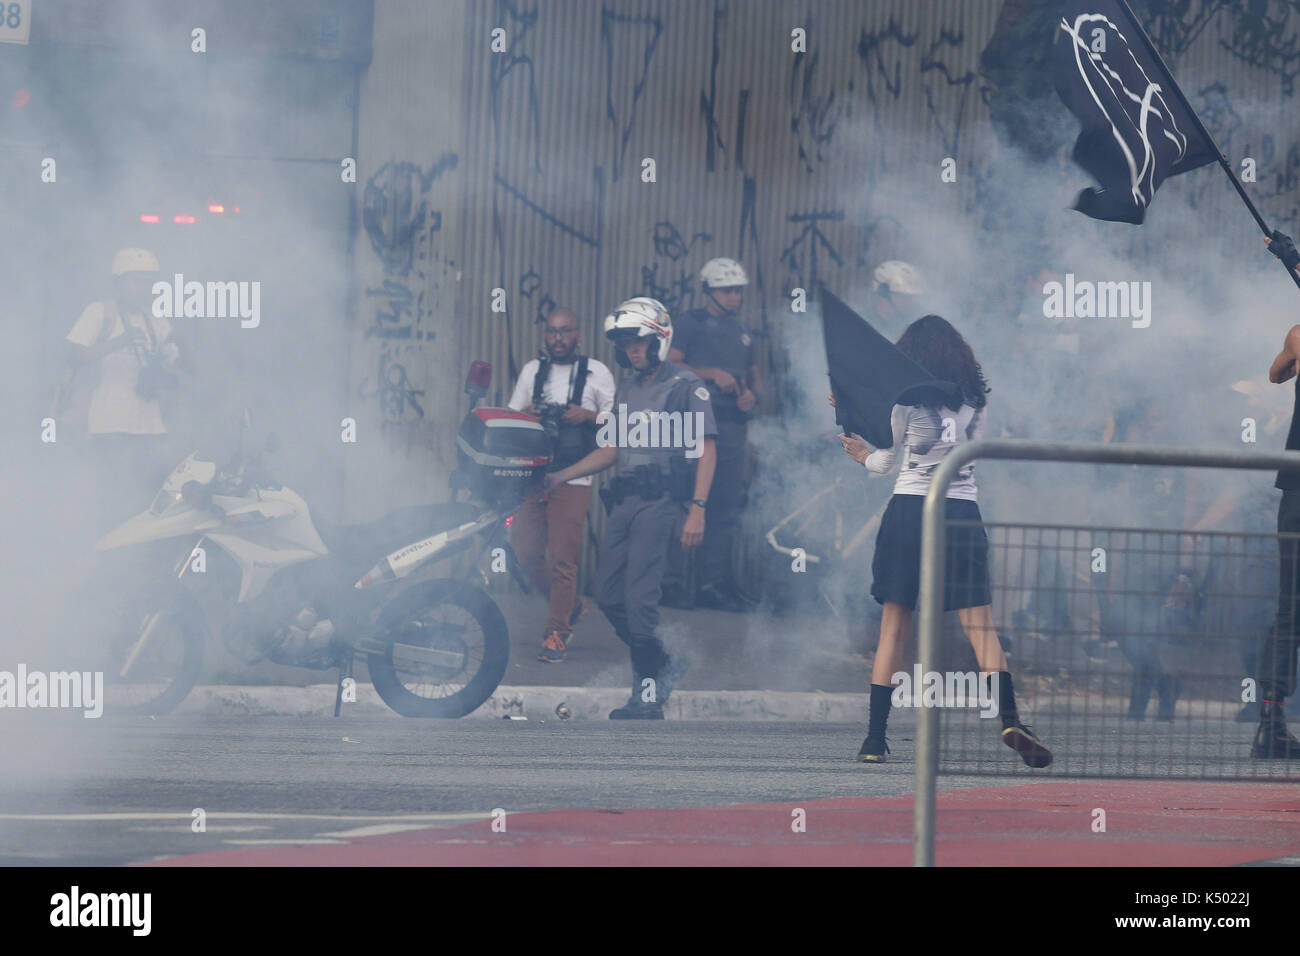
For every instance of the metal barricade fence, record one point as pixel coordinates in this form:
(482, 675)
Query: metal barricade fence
(1133, 650)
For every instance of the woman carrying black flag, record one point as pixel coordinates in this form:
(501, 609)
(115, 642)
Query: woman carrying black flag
(922, 437)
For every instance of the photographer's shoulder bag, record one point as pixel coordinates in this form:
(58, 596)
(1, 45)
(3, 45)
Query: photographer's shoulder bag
(575, 442)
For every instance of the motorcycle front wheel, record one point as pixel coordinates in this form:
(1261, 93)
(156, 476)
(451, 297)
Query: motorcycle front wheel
(152, 655)
(448, 645)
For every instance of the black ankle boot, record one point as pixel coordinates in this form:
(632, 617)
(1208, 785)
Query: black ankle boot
(1272, 739)
(874, 748)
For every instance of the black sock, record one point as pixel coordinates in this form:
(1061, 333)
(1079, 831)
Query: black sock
(1006, 699)
(878, 715)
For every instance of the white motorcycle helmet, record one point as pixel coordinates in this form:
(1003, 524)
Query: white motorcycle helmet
(134, 260)
(659, 308)
(898, 278)
(636, 319)
(722, 274)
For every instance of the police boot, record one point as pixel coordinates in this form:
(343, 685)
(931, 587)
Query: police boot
(713, 598)
(637, 708)
(1168, 688)
(1140, 694)
(1272, 740)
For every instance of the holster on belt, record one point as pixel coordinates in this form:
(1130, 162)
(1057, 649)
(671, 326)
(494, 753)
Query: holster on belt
(645, 481)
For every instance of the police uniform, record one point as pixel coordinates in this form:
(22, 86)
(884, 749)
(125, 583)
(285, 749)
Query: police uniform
(708, 341)
(648, 500)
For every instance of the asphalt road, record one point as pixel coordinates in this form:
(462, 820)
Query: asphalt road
(101, 792)
(378, 789)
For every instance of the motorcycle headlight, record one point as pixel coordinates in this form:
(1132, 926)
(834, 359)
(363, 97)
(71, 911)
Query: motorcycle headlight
(165, 502)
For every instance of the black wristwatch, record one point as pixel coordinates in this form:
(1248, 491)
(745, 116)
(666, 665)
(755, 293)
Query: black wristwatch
(702, 502)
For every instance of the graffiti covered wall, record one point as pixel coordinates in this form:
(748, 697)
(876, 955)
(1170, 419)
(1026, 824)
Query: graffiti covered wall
(576, 152)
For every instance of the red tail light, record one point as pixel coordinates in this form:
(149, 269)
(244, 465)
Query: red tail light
(479, 377)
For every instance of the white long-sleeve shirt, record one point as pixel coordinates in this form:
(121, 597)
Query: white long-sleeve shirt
(922, 437)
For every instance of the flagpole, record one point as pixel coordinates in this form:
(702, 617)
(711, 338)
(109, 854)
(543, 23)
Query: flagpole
(1223, 161)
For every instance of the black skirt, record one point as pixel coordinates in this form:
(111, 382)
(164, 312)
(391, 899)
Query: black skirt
(896, 567)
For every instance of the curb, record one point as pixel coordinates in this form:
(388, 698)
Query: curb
(533, 703)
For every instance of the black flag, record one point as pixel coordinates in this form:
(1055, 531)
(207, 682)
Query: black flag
(869, 375)
(1137, 129)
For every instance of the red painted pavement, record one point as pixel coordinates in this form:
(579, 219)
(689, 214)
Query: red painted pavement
(1156, 823)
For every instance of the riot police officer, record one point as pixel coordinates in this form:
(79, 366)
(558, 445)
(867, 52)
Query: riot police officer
(660, 438)
(713, 344)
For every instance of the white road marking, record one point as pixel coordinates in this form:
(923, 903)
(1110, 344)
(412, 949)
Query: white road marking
(377, 830)
(216, 815)
(303, 842)
(232, 828)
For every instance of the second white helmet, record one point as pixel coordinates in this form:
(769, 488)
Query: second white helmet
(722, 274)
(898, 278)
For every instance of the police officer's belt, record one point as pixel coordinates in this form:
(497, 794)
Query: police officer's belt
(645, 481)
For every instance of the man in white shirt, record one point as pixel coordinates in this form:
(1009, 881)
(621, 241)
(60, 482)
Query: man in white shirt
(120, 339)
(547, 532)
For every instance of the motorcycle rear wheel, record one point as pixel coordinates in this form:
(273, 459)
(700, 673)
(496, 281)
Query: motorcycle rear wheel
(439, 615)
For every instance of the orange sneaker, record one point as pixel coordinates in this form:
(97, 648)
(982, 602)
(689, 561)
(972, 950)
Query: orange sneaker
(552, 648)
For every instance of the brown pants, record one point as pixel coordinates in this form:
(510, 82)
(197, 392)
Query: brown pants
(547, 537)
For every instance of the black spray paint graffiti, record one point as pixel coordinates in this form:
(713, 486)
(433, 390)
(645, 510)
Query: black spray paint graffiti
(675, 287)
(624, 75)
(530, 283)
(402, 229)
(813, 116)
(800, 257)
(395, 208)
(1272, 44)
(1174, 27)
(530, 280)
(713, 144)
(517, 23)
(749, 249)
(883, 53)
(931, 62)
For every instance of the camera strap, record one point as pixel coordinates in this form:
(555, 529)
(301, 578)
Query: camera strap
(578, 381)
(540, 379)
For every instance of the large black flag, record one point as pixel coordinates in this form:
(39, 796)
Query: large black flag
(869, 375)
(1137, 130)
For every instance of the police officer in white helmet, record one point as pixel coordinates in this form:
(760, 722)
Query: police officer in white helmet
(712, 343)
(898, 286)
(660, 439)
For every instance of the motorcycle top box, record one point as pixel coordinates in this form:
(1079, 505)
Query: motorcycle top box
(501, 453)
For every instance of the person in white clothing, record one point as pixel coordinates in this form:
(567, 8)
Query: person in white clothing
(547, 532)
(922, 438)
(132, 351)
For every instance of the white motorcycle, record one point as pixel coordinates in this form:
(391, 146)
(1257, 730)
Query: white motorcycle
(256, 569)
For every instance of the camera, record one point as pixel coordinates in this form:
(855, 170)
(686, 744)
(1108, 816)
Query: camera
(154, 377)
(551, 415)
